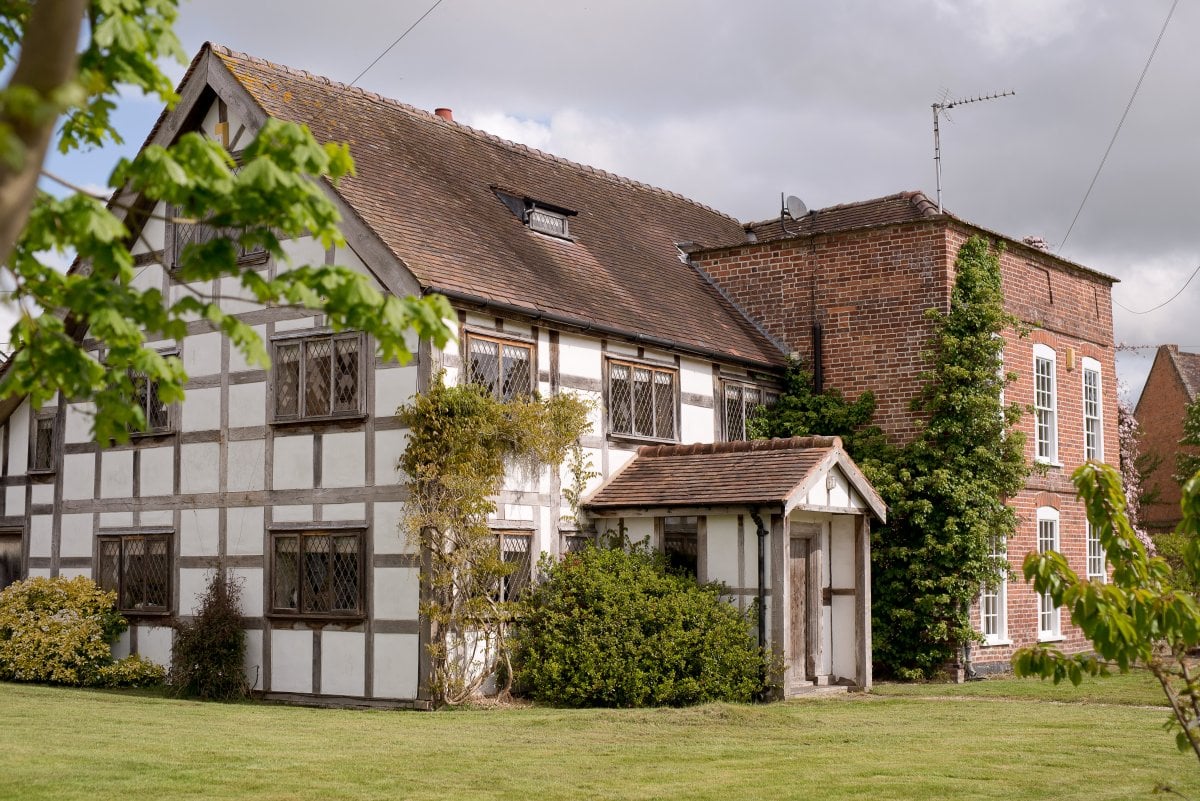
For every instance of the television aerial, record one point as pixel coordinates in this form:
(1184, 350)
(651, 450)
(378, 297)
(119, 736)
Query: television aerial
(938, 110)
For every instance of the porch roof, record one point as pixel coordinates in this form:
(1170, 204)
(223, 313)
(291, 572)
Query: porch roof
(754, 473)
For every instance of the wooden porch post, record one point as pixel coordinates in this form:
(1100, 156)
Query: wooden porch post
(862, 601)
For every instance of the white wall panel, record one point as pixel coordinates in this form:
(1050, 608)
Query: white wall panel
(343, 662)
(343, 459)
(75, 572)
(841, 551)
(304, 251)
(696, 377)
(386, 529)
(157, 472)
(199, 468)
(78, 426)
(396, 660)
(397, 592)
(389, 446)
(14, 500)
(152, 233)
(247, 404)
(394, 387)
(198, 532)
(115, 519)
(291, 660)
(292, 514)
(18, 440)
(76, 535)
(116, 474)
(250, 579)
(237, 362)
(579, 356)
(246, 468)
(120, 646)
(252, 660)
(202, 409)
(842, 631)
(244, 530)
(344, 511)
(154, 643)
(723, 549)
(695, 424)
(192, 584)
(157, 517)
(40, 530)
(148, 277)
(293, 464)
(41, 494)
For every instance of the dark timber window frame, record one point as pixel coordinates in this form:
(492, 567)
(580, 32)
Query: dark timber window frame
(124, 561)
(737, 408)
(497, 381)
(43, 442)
(160, 417)
(625, 422)
(305, 398)
(515, 546)
(681, 543)
(313, 595)
(179, 234)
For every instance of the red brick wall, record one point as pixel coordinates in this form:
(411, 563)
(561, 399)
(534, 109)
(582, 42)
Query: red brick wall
(1160, 411)
(870, 289)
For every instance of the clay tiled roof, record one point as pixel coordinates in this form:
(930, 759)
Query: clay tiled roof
(715, 474)
(1188, 367)
(899, 208)
(427, 186)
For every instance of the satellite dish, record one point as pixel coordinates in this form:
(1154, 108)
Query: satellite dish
(795, 207)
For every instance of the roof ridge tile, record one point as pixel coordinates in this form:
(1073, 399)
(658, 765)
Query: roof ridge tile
(740, 446)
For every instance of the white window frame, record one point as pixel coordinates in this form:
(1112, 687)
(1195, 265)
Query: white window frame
(500, 387)
(1049, 616)
(1097, 562)
(997, 597)
(1093, 411)
(1045, 406)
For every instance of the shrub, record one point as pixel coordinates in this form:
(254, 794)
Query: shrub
(617, 628)
(132, 671)
(57, 630)
(209, 651)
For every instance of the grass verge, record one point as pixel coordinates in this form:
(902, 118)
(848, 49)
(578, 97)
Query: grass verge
(78, 744)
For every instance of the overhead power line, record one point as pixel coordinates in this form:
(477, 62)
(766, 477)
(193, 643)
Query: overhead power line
(1165, 302)
(400, 37)
(1117, 132)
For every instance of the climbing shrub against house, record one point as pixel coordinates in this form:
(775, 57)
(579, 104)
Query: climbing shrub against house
(461, 442)
(616, 627)
(946, 489)
(208, 652)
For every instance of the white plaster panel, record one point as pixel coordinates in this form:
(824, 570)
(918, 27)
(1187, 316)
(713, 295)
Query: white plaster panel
(477, 320)
(622, 348)
(199, 467)
(246, 466)
(120, 646)
(151, 238)
(343, 662)
(76, 535)
(618, 458)
(40, 533)
(79, 476)
(842, 631)
(394, 387)
(157, 517)
(251, 581)
(696, 377)
(825, 666)
(116, 474)
(292, 514)
(723, 549)
(579, 356)
(344, 511)
(202, 409)
(157, 472)
(253, 659)
(817, 495)
(154, 643)
(237, 362)
(14, 500)
(192, 584)
(75, 572)
(839, 494)
(388, 536)
(18, 440)
(291, 660)
(517, 327)
(637, 528)
(41, 493)
(116, 519)
(841, 551)
(343, 459)
(148, 277)
(397, 591)
(247, 404)
(198, 532)
(244, 530)
(78, 424)
(389, 447)
(396, 659)
(293, 465)
(516, 511)
(38, 572)
(306, 250)
(696, 424)
(296, 324)
(236, 299)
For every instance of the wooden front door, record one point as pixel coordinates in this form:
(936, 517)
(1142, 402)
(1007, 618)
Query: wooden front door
(10, 557)
(797, 653)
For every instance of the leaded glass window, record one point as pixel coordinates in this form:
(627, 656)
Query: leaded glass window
(317, 573)
(138, 568)
(501, 367)
(43, 443)
(741, 402)
(642, 401)
(318, 376)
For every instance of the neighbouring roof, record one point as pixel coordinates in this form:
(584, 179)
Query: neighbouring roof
(902, 207)
(428, 187)
(1188, 367)
(758, 472)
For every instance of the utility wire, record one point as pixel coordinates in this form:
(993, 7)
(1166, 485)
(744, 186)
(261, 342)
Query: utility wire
(1117, 132)
(406, 33)
(1165, 302)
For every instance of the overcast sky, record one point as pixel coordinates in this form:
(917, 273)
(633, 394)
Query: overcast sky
(733, 103)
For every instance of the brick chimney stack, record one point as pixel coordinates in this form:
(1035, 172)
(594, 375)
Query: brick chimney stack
(445, 113)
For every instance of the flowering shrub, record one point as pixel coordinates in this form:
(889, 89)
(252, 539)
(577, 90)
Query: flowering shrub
(59, 631)
(132, 671)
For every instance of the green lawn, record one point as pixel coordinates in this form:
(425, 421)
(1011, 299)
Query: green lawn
(73, 744)
(1136, 688)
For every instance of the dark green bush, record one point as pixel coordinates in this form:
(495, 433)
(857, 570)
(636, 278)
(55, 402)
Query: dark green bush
(60, 630)
(617, 628)
(209, 650)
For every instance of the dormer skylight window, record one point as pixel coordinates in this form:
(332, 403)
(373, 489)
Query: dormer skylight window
(545, 218)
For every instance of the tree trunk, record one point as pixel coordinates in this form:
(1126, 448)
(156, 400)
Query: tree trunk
(47, 62)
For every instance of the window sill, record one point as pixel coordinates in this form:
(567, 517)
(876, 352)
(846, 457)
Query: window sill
(138, 614)
(1048, 463)
(995, 643)
(159, 432)
(1051, 638)
(634, 438)
(350, 417)
(40, 471)
(314, 619)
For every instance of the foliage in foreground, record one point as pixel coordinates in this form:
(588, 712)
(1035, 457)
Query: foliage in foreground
(209, 651)
(59, 631)
(461, 441)
(1141, 618)
(617, 628)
